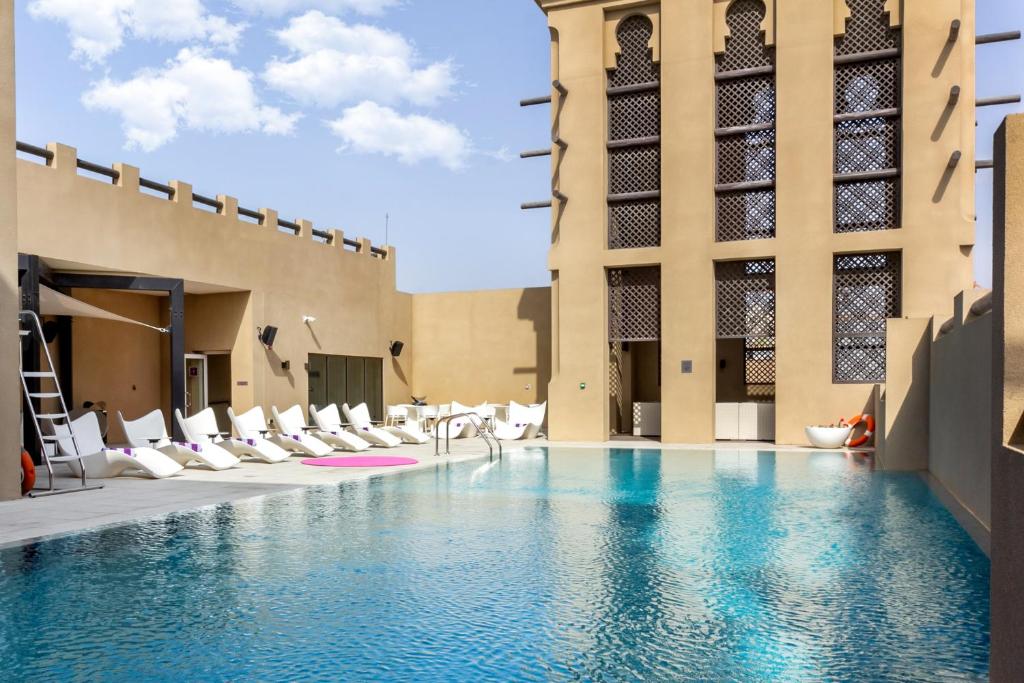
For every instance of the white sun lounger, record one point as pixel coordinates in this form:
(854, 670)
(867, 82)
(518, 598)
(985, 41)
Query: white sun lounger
(202, 428)
(101, 462)
(359, 418)
(331, 429)
(252, 426)
(292, 425)
(151, 431)
(531, 416)
(407, 430)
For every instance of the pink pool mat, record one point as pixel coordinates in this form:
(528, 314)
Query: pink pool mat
(361, 461)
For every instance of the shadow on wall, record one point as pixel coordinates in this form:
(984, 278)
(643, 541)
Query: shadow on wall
(535, 306)
(906, 424)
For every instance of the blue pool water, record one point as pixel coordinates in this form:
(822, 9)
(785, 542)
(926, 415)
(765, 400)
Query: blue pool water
(569, 565)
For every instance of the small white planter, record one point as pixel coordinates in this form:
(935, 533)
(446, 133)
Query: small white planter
(828, 437)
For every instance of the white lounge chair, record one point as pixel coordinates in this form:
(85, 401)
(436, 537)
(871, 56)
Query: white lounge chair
(332, 431)
(150, 431)
(252, 425)
(202, 428)
(399, 424)
(292, 425)
(101, 462)
(532, 416)
(359, 418)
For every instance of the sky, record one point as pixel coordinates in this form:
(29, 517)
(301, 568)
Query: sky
(345, 112)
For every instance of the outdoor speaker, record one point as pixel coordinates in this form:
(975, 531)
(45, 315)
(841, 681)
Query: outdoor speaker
(267, 336)
(396, 348)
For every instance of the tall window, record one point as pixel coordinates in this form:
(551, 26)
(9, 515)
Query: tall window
(867, 121)
(634, 140)
(866, 292)
(745, 309)
(745, 128)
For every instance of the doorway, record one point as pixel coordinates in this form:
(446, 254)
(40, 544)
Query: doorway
(347, 379)
(195, 384)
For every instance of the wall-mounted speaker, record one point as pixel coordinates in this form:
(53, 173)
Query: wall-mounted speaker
(396, 348)
(267, 335)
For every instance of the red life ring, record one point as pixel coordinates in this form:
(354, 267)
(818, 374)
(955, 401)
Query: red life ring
(28, 473)
(869, 431)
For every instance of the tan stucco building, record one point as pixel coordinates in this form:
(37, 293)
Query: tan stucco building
(744, 192)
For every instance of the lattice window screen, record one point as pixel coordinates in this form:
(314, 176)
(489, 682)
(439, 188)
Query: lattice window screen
(634, 304)
(866, 292)
(745, 156)
(869, 144)
(633, 116)
(745, 308)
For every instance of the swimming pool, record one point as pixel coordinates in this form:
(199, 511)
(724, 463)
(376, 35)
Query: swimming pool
(568, 564)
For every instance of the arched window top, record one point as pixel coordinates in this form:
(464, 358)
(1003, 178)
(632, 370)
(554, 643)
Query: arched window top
(745, 47)
(635, 63)
(867, 29)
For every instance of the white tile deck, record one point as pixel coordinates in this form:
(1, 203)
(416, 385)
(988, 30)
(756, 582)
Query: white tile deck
(125, 499)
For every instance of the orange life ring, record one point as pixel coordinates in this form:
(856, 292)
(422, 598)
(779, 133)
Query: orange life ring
(869, 430)
(28, 473)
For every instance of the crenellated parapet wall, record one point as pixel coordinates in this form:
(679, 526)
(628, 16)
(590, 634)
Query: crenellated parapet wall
(64, 158)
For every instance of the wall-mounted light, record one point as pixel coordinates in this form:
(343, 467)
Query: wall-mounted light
(396, 348)
(308, 320)
(267, 335)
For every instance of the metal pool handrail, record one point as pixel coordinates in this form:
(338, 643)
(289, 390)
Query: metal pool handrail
(482, 427)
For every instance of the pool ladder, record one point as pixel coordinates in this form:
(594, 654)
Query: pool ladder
(483, 428)
(48, 442)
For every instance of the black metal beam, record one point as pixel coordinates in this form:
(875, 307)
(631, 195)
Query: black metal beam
(175, 288)
(28, 269)
(177, 325)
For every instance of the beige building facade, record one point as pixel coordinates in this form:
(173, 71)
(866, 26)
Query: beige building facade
(752, 183)
(10, 396)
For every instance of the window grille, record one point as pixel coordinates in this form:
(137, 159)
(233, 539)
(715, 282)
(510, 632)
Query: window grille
(745, 122)
(745, 308)
(866, 292)
(634, 129)
(867, 128)
(634, 304)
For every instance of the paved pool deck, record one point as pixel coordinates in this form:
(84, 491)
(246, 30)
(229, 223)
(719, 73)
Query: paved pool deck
(126, 499)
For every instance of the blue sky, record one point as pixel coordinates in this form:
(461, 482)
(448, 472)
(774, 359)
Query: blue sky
(342, 111)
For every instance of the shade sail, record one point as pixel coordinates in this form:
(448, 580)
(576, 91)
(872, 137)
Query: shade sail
(52, 302)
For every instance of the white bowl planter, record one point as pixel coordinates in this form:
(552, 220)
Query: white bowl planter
(828, 437)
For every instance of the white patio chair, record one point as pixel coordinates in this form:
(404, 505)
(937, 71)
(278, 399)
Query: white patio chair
(359, 418)
(101, 462)
(150, 431)
(398, 423)
(202, 428)
(292, 426)
(332, 431)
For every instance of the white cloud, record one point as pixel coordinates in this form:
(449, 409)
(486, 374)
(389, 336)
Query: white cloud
(332, 62)
(374, 129)
(98, 28)
(277, 8)
(193, 91)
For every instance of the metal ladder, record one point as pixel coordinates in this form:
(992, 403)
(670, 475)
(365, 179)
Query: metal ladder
(483, 428)
(47, 442)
